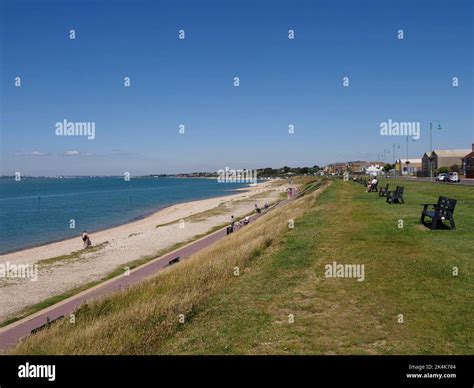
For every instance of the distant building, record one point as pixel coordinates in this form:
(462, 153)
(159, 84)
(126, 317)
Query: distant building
(374, 168)
(425, 164)
(468, 162)
(442, 158)
(358, 166)
(413, 167)
(335, 168)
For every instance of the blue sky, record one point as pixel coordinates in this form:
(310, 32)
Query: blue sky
(190, 82)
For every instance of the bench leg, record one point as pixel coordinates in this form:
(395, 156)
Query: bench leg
(422, 219)
(453, 225)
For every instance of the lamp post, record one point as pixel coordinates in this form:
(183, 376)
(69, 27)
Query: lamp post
(407, 162)
(393, 156)
(393, 153)
(407, 147)
(430, 158)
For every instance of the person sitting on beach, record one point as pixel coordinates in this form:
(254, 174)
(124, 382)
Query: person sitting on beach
(372, 184)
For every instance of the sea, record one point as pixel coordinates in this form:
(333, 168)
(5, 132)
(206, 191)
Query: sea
(36, 211)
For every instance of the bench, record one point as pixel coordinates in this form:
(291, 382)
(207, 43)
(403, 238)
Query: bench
(174, 261)
(395, 196)
(383, 191)
(47, 324)
(442, 211)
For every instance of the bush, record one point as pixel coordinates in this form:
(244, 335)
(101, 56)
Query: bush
(454, 168)
(443, 170)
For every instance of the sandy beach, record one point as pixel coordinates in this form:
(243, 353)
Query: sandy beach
(115, 247)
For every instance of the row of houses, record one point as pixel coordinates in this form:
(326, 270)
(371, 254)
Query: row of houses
(356, 167)
(432, 161)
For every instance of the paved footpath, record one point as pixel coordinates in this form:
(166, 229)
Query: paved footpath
(11, 334)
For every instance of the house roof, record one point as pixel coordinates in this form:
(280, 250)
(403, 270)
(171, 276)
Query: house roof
(456, 153)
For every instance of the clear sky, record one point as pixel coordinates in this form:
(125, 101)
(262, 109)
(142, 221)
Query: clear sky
(191, 82)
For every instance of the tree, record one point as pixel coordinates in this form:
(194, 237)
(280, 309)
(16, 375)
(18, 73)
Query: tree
(443, 170)
(304, 170)
(454, 168)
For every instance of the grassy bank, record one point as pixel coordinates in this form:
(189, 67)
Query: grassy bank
(119, 270)
(282, 303)
(140, 320)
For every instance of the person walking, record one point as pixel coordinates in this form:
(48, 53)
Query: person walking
(86, 241)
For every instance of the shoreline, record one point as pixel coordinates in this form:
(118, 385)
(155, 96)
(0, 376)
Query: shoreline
(128, 221)
(120, 245)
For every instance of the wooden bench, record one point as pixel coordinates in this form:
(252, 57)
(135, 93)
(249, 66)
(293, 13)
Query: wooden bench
(383, 191)
(396, 196)
(47, 324)
(174, 261)
(442, 211)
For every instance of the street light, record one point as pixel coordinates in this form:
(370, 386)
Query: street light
(430, 158)
(398, 147)
(393, 156)
(407, 162)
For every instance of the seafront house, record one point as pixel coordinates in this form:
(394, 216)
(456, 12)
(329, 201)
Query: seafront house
(468, 162)
(410, 167)
(358, 166)
(443, 158)
(375, 168)
(335, 168)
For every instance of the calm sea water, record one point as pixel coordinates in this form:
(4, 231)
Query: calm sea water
(38, 210)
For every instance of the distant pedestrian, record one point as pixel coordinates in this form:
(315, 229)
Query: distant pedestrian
(290, 192)
(86, 241)
(266, 206)
(233, 222)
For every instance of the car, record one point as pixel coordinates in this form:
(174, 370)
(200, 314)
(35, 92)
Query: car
(454, 177)
(443, 177)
